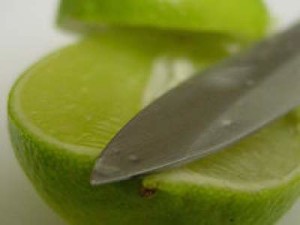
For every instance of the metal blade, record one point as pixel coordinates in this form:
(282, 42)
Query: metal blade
(208, 112)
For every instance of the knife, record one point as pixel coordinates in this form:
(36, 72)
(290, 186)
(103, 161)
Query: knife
(208, 112)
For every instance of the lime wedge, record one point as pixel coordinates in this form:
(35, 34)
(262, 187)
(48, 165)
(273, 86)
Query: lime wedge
(66, 108)
(247, 18)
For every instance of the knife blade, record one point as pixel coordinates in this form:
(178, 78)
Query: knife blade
(208, 112)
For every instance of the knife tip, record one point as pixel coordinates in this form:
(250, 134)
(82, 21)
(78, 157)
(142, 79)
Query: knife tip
(97, 179)
(104, 174)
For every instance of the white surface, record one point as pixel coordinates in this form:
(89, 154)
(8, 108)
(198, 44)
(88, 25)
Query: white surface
(27, 33)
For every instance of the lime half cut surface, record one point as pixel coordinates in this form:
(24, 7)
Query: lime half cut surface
(66, 108)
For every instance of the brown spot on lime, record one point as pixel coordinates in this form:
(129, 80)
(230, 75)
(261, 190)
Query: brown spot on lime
(147, 192)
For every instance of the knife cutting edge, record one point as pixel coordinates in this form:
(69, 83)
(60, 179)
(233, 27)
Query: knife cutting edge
(208, 112)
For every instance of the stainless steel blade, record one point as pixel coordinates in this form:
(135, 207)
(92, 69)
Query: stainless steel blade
(208, 112)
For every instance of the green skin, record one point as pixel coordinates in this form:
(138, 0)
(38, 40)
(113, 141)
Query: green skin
(247, 18)
(112, 61)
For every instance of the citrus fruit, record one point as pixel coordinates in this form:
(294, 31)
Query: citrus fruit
(65, 109)
(247, 18)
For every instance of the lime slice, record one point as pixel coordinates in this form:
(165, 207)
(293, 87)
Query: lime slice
(247, 18)
(66, 108)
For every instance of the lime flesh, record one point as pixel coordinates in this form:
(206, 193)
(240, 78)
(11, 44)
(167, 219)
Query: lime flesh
(247, 18)
(66, 108)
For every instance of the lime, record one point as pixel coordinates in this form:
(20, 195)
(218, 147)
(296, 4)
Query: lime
(66, 108)
(247, 18)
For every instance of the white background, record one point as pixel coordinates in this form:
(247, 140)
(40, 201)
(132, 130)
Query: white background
(27, 32)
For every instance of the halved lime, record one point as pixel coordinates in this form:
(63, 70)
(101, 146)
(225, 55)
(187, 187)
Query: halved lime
(65, 109)
(247, 18)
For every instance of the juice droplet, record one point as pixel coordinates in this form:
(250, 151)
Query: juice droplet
(226, 122)
(133, 158)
